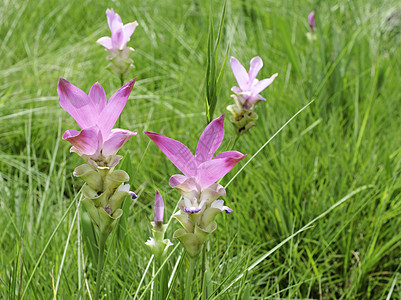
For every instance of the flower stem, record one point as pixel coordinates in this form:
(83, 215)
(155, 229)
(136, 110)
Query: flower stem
(102, 244)
(163, 284)
(203, 268)
(153, 287)
(236, 140)
(190, 274)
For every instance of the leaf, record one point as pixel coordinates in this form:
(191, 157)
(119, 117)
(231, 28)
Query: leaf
(213, 77)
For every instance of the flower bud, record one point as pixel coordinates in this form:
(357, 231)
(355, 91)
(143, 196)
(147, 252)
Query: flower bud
(158, 245)
(311, 21)
(159, 207)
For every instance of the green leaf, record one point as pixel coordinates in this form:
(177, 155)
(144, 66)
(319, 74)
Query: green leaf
(213, 76)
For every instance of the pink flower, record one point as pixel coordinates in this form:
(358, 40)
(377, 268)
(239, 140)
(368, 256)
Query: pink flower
(311, 21)
(249, 87)
(120, 33)
(97, 140)
(201, 170)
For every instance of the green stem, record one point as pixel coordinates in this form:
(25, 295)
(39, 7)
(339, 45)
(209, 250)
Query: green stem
(235, 141)
(163, 284)
(203, 270)
(102, 244)
(190, 274)
(153, 286)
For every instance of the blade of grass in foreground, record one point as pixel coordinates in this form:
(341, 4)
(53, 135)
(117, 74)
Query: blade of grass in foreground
(268, 141)
(213, 78)
(48, 243)
(304, 228)
(159, 270)
(65, 252)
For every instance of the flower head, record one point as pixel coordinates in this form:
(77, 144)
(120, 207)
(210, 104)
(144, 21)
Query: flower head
(120, 33)
(201, 170)
(249, 87)
(311, 21)
(120, 61)
(198, 184)
(97, 141)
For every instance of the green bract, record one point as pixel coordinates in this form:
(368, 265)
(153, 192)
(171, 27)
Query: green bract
(104, 193)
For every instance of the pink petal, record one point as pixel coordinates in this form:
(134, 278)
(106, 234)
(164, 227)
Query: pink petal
(231, 154)
(213, 192)
(98, 97)
(240, 73)
(236, 89)
(253, 99)
(113, 20)
(105, 42)
(261, 85)
(129, 30)
(176, 152)
(117, 39)
(76, 103)
(116, 140)
(88, 141)
(114, 107)
(261, 98)
(256, 65)
(210, 140)
(211, 171)
(187, 186)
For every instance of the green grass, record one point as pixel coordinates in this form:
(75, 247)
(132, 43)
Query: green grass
(347, 140)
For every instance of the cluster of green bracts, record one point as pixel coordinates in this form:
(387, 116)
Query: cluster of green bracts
(243, 117)
(158, 245)
(246, 94)
(104, 193)
(197, 218)
(120, 62)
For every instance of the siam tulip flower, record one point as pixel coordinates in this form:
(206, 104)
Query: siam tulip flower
(249, 87)
(198, 184)
(201, 170)
(246, 95)
(120, 33)
(121, 64)
(157, 244)
(97, 142)
(311, 21)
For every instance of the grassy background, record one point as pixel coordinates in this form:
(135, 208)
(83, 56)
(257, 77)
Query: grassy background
(347, 139)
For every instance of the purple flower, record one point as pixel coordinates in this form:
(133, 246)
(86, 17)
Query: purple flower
(120, 33)
(249, 87)
(133, 195)
(219, 205)
(96, 117)
(191, 206)
(159, 207)
(201, 170)
(311, 21)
